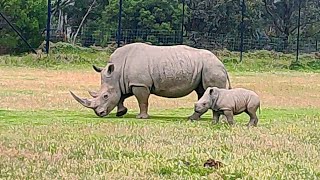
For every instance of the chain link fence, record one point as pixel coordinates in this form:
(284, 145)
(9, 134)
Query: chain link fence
(99, 37)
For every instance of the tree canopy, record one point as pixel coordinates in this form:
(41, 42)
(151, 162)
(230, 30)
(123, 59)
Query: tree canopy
(263, 18)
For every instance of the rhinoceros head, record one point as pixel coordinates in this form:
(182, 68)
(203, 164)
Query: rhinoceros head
(108, 97)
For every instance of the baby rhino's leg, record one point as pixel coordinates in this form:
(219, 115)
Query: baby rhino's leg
(251, 111)
(216, 116)
(229, 115)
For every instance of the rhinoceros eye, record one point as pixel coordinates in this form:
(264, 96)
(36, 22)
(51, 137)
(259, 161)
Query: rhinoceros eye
(105, 96)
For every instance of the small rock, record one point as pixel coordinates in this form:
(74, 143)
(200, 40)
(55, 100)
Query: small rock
(184, 163)
(213, 163)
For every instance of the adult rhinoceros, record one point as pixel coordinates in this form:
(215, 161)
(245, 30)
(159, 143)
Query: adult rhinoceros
(168, 71)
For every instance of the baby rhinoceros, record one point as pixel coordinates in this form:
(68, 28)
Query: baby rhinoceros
(229, 102)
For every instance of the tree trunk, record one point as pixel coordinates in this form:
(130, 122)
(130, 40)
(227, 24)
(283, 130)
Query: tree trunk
(60, 21)
(82, 21)
(286, 43)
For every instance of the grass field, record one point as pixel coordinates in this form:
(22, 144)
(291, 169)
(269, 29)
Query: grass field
(45, 134)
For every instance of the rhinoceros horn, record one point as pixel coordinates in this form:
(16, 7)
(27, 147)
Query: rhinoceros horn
(93, 94)
(85, 102)
(98, 69)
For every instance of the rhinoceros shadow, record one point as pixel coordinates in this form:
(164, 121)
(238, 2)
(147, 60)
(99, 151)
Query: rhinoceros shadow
(155, 117)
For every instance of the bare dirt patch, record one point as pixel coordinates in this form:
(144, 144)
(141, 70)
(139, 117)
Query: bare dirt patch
(26, 88)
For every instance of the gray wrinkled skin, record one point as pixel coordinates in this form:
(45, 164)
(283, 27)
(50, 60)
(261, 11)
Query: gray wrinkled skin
(168, 71)
(229, 102)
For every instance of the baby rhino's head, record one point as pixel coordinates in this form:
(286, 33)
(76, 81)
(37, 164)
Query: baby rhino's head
(205, 102)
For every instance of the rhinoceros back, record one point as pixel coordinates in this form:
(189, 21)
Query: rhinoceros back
(168, 71)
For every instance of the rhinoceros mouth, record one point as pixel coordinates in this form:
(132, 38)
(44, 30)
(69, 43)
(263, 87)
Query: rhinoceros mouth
(102, 113)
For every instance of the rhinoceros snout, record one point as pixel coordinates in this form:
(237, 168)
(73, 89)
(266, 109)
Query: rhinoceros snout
(199, 108)
(101, 114)
(196, 108)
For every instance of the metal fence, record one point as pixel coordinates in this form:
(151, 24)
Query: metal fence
(102, 37)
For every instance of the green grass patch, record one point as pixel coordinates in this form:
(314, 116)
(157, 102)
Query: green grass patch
(78, 144)
(61, 56)
(66, 56)
(262, 60)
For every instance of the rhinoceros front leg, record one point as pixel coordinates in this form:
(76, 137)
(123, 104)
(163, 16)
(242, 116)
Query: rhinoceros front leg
(216, 116)
(122, 110)
(142, 94)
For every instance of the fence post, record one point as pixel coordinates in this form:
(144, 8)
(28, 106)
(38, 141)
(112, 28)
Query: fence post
(298, 35)
(182, 24)
(48, 27)
(119, 23)
(243, 6)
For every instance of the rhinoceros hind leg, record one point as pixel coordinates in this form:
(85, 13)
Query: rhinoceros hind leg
(253, 118)
(142, 94)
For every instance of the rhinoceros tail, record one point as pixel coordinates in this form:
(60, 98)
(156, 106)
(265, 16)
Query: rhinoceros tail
(229, 81)
(228, 78)
(259, 109)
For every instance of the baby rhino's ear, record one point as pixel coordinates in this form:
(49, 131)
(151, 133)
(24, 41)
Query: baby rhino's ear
(213, 92)
(210, 91)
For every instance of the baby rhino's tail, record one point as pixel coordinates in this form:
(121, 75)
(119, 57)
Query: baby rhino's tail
(259, 108)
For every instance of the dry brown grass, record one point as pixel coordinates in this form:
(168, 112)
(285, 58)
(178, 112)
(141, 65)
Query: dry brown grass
(26, 88)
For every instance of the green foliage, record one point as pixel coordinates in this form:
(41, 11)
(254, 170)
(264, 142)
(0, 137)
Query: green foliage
(62, 56)
(29, 17)
(268, 23)
(262, 60)
(256, 61)
(143, 15)
(219, 17)
(283, 16)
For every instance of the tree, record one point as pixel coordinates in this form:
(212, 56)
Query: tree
(140, 17)
(284, 14)
(141, 14)
(59, 11)
(83, 20)
(29, 17)
(218, 17)
(75, 14)
(96, 21)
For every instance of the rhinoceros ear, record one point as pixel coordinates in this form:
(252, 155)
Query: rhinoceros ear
(214, 94)
(110, 69)
(93, 94)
